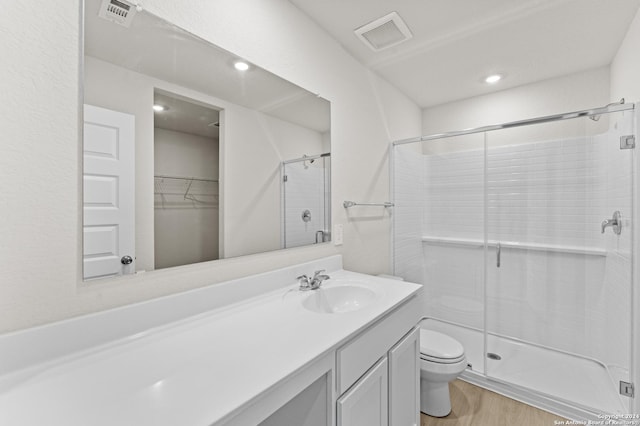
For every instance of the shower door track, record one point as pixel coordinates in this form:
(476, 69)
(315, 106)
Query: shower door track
(559, 406)
(616, 107)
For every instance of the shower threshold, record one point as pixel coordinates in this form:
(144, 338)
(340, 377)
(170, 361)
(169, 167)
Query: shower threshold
(569, 385)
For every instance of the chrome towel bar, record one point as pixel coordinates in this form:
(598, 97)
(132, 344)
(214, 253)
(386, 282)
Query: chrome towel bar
(348, 204)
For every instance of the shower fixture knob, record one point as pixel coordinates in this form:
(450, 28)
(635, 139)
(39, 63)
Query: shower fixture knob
(615, 223)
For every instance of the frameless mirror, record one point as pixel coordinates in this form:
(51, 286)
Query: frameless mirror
(191, 154)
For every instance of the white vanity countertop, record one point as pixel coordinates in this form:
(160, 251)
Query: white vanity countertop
(194, 371)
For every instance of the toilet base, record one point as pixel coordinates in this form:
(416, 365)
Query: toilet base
(435, 400)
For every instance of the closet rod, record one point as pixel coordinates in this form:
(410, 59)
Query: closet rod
(185, 178)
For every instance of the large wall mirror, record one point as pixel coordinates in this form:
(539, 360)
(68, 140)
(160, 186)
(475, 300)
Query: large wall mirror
(190, 154)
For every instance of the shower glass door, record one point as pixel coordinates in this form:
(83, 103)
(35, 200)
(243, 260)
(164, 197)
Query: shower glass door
(438, 237)
(306, 210)
(558, 284)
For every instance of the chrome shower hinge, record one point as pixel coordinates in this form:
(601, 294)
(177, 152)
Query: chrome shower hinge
(627, 389)
(627, 142)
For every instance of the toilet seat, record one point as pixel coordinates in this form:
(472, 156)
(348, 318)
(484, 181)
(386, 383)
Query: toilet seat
(439, 348)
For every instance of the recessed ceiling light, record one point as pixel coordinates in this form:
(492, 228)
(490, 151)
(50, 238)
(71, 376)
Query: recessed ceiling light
(241, 66)
(492, 79)
(160, 108)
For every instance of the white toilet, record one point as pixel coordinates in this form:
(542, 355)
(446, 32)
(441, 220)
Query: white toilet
(442, 359)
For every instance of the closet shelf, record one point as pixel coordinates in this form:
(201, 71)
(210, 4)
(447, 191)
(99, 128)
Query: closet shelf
(200, 190)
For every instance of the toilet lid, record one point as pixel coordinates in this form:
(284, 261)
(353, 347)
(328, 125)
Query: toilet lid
(437, 346)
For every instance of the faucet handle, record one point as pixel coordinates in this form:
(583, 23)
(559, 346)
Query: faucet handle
(304, 281)
(318, 272)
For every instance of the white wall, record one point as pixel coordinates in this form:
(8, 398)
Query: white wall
(573, 92)
(254, 146)
(40, 254)
(185, 230)
(625, 67)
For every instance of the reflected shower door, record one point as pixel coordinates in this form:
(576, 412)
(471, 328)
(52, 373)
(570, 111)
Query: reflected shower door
(306, 212)
(558, 284)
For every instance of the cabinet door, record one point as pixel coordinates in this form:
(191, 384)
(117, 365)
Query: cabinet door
(365, 404)
(404, 381)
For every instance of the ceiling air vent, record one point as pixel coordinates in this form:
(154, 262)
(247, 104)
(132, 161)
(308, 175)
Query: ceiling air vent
(118, 11)
(384, 32)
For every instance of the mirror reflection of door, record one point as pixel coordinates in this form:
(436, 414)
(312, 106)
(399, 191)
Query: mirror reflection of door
(186, 181)
(108, 186)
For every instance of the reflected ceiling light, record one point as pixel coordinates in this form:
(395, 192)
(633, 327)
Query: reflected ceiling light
(241, 66)
(160, 108)
(492, 79)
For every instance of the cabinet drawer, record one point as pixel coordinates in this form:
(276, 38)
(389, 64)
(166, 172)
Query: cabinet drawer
(357, 356)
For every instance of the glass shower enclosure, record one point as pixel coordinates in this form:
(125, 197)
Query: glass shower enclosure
(306, 198)
(523, 238)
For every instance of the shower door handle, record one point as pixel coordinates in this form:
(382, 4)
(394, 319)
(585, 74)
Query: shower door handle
(498, 254)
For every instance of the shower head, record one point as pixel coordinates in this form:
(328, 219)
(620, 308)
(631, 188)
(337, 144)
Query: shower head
(304, 163)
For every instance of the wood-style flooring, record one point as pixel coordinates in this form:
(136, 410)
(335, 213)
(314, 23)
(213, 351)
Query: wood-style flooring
(475, 406)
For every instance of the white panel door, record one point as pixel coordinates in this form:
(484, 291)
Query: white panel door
(108, 183)
(404, 381)
(366, 403)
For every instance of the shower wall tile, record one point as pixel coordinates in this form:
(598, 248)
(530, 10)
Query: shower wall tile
(453, 292)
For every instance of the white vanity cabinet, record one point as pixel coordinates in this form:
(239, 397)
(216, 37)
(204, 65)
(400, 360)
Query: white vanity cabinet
(404, 381)
(365, 404)
(378, 373)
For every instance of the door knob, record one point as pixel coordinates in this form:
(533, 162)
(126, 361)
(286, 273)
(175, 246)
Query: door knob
(126, 260)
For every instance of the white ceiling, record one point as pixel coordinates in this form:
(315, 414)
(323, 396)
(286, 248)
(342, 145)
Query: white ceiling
(456, 43)
(185, 116)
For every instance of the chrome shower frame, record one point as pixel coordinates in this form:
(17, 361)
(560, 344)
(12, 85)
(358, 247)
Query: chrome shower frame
(615, 107)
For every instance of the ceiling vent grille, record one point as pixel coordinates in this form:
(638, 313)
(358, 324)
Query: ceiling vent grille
(118, 11)
(384, 32)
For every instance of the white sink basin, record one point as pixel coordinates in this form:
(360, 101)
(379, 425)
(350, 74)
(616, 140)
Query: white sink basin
(339, 299)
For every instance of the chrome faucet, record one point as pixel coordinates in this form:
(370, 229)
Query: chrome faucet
(304, 282)
(314, 283)
(318, 278)
(615, 223)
